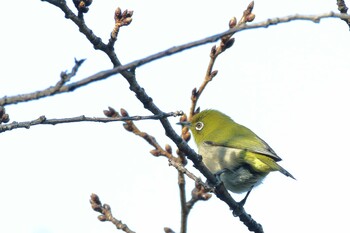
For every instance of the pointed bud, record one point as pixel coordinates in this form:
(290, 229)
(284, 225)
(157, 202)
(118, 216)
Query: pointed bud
(250, 17)
(184, 161)
(123, 112)
(5, 118)
(213, 51)
(94, 198)
(184, 130)
(183, 118)
(130, 13)
(229, 43)
(107, 113)
(187, 136)
(194, 92)
(127, 127)
(168, 148)
(251, 6)
(124, 13)
(233, 22)
(117, 13)
(214, 73)
(197, 110)
(127, 21)
(155, 152)
(168, 230)
(102, 218)
(111, 112)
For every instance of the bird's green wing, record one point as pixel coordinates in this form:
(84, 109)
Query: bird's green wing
(249, 142)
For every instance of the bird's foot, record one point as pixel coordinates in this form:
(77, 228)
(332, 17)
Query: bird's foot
(218, 174)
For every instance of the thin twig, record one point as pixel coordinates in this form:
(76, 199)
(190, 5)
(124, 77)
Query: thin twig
(199, 193)
(158, 150)
(106, 214)
(43, 121)
(65, 77)
(7, 100)
(121, 19)
(226, 42)
(182, 190)
(190, 175)
(84, 29)
(201, 190)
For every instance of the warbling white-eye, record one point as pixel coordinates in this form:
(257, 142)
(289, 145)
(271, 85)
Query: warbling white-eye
(236, 155)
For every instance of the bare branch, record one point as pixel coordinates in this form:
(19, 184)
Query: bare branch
(201, 190)
(43, 121)
(106, 213)
(199, 193)
(84, 29)
(226, 42)
(190, 175)
(64, 78)
(158, 151)
(176, 49)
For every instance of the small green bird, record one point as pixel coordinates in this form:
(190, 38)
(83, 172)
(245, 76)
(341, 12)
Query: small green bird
(236, 155)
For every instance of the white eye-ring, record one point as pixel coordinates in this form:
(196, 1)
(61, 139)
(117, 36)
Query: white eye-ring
(199, 125)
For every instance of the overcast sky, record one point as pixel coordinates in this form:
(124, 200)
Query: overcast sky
(288, 83)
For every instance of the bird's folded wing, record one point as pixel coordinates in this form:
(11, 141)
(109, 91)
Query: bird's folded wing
(253, 144)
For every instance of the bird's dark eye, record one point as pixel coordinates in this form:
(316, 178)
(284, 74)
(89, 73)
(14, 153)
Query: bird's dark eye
(199, 125)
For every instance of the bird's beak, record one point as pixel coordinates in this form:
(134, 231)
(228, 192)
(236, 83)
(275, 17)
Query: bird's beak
(184, 123)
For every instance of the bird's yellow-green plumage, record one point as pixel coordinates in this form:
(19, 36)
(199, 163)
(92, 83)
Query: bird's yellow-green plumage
(236, 153)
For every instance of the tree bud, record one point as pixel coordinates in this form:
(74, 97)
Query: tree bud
(250, 17)
(123, 112)
(233, 22)
(168, 148)
(155, 152)
(187, 136)
(102, 218)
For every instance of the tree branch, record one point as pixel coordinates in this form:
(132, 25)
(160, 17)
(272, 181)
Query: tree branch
(226, 42)
(127, 72)
(220, 190)
(106, 214)
(43, 121)
(173, 50)
(84, 29)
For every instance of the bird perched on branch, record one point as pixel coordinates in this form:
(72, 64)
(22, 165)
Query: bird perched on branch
(236, 155)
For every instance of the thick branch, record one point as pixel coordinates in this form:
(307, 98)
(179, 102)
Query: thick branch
(176, 49)
(220, 190)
